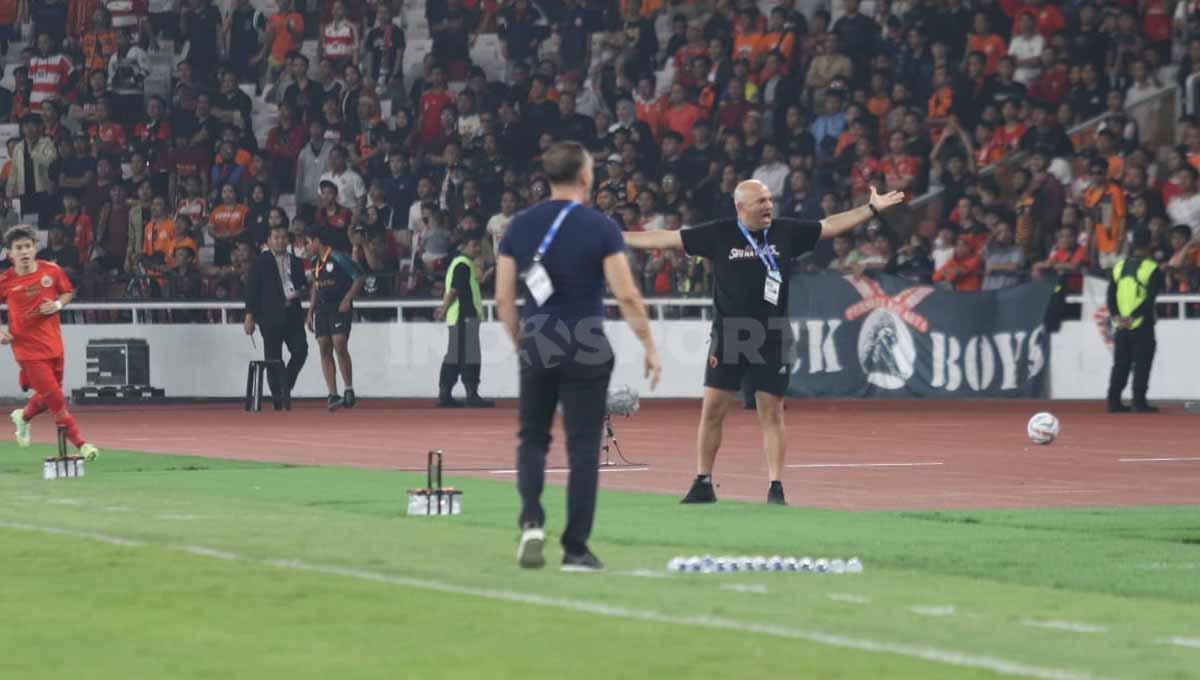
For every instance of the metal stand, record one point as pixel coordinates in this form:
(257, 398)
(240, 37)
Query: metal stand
(610, 443)
(62, 466)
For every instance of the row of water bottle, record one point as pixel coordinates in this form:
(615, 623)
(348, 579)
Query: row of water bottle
(707, 564)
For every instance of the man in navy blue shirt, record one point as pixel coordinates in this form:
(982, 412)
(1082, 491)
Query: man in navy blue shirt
(337, 280)
(751, 341)
(564, 253)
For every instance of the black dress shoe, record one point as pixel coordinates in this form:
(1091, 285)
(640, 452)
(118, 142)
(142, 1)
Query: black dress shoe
(1145, 408)
(1118, 407)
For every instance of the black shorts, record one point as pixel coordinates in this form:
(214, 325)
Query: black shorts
(766, 368)
(331, 322)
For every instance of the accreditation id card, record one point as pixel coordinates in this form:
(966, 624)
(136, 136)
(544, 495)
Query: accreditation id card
(771, 288)
(537, 280)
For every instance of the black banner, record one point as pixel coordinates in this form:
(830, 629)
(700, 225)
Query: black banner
(883, 336)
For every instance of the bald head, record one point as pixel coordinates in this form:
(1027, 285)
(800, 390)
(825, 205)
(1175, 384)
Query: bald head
(752, 199)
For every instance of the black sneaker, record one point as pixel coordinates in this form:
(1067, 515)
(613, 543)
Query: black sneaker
(587, 562)
(775, 494)
(701, 491)
(476, 401)
(1118, 407)
(334, 402)
(529, 550)
(449, 402)
(348, 399)
(1145, 408)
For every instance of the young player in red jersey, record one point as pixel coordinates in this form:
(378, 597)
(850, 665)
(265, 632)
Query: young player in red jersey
(36, 292)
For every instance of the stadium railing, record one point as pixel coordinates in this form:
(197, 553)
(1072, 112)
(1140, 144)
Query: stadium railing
(395, 311)
(1172, 306)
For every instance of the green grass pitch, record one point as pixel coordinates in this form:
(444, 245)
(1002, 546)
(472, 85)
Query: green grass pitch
(174, 567)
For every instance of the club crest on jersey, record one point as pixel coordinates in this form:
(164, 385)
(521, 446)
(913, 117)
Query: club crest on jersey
(47, 281)
(748, 253)
(329, 267)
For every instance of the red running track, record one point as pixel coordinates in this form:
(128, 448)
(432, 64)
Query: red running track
(845, 455)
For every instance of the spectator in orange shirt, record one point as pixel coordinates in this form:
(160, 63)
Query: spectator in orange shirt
(898, 167)
(1183, 266)
(747, 39)
(778, 38)
(983, 40)
(77, 225)
(1008, 135)
(285, 31)
(1104, 203)
(99, 44)
(865, 166)
(226, 224)
(1066, 260)
(681, 115)
(941, 101)
(158, 246)
(650, 108)
(964, 271)
(107, 135)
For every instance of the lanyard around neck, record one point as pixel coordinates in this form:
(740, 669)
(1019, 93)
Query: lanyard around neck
(764, 253)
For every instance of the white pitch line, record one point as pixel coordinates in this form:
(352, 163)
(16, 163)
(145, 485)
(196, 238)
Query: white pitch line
(946, 657)
(1070, 626)
(211, 552)
(1156, 460)
(745, 588)
(643, 573)
(849, 598)
(860, 465)
(1191, 643)
(603, 468)
(103, 538)
(933, 610)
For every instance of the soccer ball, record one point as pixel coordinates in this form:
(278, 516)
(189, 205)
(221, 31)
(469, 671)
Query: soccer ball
(1043, 428)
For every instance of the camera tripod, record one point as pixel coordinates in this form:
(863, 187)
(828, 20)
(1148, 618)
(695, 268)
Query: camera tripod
(610, 444)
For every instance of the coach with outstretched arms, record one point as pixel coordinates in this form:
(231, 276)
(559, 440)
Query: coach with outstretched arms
(564, 253)
(751, 338)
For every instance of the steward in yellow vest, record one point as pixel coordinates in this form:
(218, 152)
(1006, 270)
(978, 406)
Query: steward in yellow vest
(462, 307)
(1132, 291)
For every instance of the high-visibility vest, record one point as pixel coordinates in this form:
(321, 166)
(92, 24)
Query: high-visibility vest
(452, 312)
(1131, 287)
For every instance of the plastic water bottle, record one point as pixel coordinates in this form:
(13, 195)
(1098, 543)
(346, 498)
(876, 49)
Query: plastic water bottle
(675, 564)
(775, 563)
(805, 564)
(790, 564)
(760, 563)
(837, 565)
(692, 564)
(854, 566)
(821, 565)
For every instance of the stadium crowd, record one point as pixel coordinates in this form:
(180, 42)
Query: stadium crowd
(152, 187)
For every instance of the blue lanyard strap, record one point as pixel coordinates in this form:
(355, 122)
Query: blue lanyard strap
(764, 253)
(553, 231)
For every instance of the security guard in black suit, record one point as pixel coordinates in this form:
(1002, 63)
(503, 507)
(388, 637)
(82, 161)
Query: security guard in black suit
(1132, 291)
(273, 294)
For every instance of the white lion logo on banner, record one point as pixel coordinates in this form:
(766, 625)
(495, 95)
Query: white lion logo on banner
(886, 350)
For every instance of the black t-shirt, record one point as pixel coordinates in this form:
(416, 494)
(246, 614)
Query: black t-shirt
(335, 273)
(243, 36)
(739, 275)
